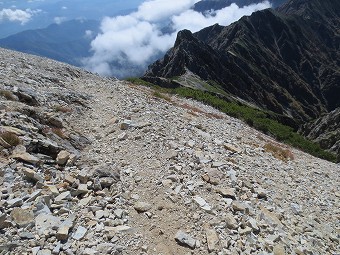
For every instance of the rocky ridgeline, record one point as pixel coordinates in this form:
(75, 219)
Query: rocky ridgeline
(99, 166)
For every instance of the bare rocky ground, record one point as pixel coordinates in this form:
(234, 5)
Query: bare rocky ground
(105, 167)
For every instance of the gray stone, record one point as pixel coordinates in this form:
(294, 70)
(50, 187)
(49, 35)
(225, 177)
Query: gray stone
(119, 213)
(63, 196)
(80, 233)
(34, 195)
(126, 124)
(171, 154)
(296, 208)
(62, 157)
(238, 206)
(117, 229)
(247, 230)
(279, 249)
(44, 252)
(123, 136)
(32, 175)
(45, 223)
(261, 193)
(212, 240)
(202, 203)
(142, 207)
(82, 189)
(83, 176)
(3, 221)
(15, 202)
(64, 228)
(227, 193)
(22, 155)
(230, 221)
(89, 251)
(26, 235)
(233, 176)
(185, 239)
(107, 182)
(22, 217)
(217, 164)
(253, 224)
(35, 250)
(57, 248)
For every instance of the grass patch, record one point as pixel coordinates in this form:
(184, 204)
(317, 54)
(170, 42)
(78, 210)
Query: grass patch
(161, 96)
(10, 138)
(279, 152)
(139, 81)
(264, 121)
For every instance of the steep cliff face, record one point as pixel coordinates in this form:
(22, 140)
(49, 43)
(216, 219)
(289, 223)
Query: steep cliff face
(325, 130)
(286, 61)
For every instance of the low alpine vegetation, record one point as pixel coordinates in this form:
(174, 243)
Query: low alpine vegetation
(264, 121)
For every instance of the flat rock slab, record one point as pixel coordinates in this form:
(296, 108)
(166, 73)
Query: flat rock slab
(185, 239)
(45, 223)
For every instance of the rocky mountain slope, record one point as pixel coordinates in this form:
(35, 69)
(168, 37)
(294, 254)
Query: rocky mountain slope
(93, 165)
(325, 130)
(286, 61)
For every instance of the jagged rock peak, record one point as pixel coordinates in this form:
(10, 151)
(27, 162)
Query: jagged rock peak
(184, 36)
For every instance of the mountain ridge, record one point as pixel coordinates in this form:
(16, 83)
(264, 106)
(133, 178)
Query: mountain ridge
(276, 59)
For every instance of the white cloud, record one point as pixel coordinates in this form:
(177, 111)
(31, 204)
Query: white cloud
(127, 44)
(156, 10)
(59, 20)
(89, 34)
(64, 8)
(17, 15)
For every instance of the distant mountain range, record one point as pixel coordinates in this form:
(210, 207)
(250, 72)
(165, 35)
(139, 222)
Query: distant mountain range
(67, 42)
(285, 60)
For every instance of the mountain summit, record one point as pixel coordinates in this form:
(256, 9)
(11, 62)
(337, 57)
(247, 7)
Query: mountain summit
(284, 60)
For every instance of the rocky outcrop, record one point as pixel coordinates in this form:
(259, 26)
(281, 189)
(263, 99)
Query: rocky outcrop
(285, 61)
(325, 131)
(161, 175)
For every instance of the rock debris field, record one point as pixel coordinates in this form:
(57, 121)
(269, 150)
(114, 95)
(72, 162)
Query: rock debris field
(92, 165)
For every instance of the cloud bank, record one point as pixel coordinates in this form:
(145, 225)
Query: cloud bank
(128, 44)
(17, 15)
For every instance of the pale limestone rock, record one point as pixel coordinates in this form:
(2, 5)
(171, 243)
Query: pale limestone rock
(22, 217)
(212, 239)
(185, 239)
(142, 207)
(62, 157)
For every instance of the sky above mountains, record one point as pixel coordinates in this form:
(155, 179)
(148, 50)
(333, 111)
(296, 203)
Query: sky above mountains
(133, 33)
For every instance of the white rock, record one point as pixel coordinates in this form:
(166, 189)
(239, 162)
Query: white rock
(185, 239)
(80, 233)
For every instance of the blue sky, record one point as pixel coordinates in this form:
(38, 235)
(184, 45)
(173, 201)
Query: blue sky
(16, 16)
